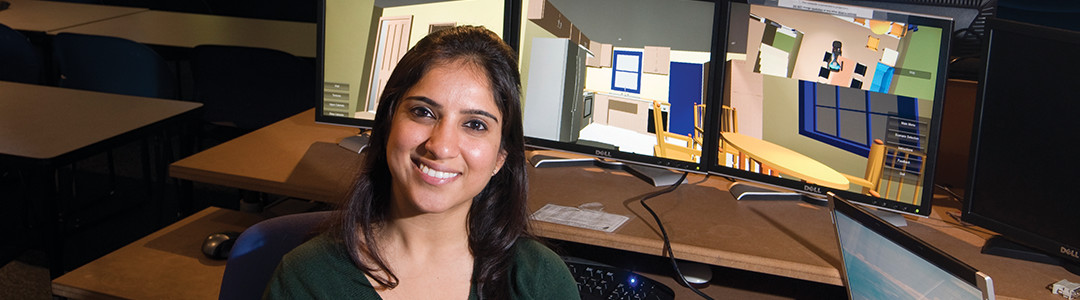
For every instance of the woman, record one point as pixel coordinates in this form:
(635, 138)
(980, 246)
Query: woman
(438, 211)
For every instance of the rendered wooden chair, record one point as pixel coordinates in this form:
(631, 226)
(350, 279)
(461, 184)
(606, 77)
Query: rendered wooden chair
(875, 162)
(683, 149)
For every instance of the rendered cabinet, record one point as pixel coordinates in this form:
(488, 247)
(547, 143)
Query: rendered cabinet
(656, 60)
(543, 13)
(554, 103)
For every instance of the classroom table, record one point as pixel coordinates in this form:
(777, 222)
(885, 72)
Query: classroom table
(187, 30)
(167, 264)
(43, 16)
(44, 128)
(779, 241)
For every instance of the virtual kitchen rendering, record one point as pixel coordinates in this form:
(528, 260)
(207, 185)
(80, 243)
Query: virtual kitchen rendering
(627, 79)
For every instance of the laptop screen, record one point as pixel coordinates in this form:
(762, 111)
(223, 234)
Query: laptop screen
(880, 261)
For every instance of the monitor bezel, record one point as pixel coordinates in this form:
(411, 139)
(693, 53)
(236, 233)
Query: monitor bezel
(969, 214)
(709, 142)
(509, 35)
(907, 241)
(819, 191)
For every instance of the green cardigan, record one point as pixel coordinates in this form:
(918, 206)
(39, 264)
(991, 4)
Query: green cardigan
(321, 269)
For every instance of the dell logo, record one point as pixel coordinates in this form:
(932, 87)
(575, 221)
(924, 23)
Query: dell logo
(1069, 252)
(603, 153)
(813, 189)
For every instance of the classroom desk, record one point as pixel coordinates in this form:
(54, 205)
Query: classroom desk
(43, 16)
(187, 30)
(167, 264)
(779, 239)
(44, 128)
(786, 161)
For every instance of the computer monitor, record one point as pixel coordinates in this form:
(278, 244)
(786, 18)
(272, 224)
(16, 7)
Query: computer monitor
(624, 80)
(1021, 167)
(360, 42)
(818, 97)
(880, 261)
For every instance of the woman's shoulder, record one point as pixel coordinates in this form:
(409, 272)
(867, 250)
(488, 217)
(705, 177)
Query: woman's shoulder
(539, 273)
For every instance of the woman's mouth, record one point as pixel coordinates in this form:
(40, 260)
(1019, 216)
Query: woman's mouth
(436, 174)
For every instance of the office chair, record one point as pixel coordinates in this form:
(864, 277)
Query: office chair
(249, 88)
(112, 65)
(19, 60)
(258, 250)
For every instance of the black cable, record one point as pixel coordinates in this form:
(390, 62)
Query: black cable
(663, 232)
(956, 197)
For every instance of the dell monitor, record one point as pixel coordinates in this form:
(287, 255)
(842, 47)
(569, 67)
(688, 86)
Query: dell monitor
(880, 261)
(622, 80)
(1021, 167)
(821, 97)
(360, 42)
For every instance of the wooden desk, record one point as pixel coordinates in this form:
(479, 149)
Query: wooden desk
(167, 264)
(294, 157)
(786, 161)
(187, 30)
(43, 128)
(42, 16)
(779, 239)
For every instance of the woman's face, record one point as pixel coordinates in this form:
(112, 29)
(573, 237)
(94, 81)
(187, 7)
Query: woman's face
(445, 141)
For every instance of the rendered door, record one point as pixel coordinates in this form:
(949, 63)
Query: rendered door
(392, 44)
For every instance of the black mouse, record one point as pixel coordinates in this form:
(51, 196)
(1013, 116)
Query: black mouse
(218, 245)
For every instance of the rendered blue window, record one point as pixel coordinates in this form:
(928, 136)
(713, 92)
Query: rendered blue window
(626, 72)
(850, 119)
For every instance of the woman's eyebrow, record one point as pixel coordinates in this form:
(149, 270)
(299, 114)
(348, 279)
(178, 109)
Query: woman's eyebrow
(426, 100)
(480, 112)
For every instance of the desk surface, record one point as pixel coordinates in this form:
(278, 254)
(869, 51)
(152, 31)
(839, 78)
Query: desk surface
(42, 122)
(296, 157)
(167, 264)
(786, 161)
(189, 30)
(42, 16)
(787, 239)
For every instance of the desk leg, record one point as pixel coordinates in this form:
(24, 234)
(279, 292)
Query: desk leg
(43, 187)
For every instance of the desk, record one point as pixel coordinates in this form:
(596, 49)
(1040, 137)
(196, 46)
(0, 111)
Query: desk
(187, 30)
(778, 239)
(786, 161)
(167, 264)
(43, 16)
(44, 128)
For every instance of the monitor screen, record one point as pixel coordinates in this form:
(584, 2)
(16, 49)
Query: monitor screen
(619, 79)
(880, 261)
(1027, 105)
(360, 42)
(819, 97)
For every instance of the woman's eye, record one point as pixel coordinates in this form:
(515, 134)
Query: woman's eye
(422, 112)
(476, 125)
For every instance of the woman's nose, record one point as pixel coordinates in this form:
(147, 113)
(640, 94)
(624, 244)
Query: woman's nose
(443, 142)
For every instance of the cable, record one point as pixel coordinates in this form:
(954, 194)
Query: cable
(663, 232)
(956, 197)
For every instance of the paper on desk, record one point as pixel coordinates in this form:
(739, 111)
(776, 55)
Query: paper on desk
(582, 218)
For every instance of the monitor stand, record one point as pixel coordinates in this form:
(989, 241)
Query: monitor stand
(744, 191)
(1000, 246)
(652, 175)
(356, 143)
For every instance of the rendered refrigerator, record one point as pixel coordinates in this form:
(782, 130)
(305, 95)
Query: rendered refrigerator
(554, 102)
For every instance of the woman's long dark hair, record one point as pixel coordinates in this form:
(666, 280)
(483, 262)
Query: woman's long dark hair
(498, 215)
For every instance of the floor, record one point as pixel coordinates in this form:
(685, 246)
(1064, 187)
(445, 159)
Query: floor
(110, 214)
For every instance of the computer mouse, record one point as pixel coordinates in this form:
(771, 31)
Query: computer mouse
(218, 245)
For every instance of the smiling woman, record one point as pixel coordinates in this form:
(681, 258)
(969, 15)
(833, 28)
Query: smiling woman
(438, 209)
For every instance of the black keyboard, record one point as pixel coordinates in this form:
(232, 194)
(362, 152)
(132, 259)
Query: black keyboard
(599, 281)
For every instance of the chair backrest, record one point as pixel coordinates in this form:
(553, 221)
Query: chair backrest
(112, 65)
(258, 250)
(250, 88)
(19, 59)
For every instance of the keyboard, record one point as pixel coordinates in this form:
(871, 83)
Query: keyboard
(599, 281)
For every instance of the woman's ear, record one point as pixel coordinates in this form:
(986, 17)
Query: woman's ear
(499, 163)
